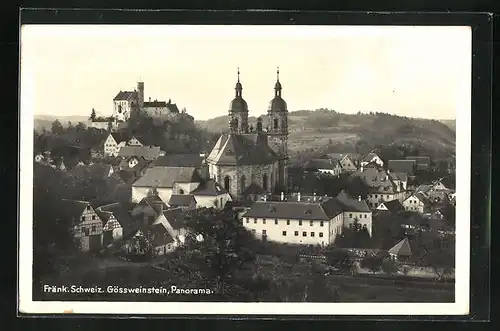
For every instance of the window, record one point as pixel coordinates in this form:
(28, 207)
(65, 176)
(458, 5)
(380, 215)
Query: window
(264, 232)
(312, 234)
(248, 220)
(263, 221)
(264, 182)
(255, 221)
(83, 218)
(304, 234)
(284, 233)
(365, 215)
(364, 227)
(311, 223)
(85, 231)
(350, 215)
(287, 222)
(181, 191)
(296, 233)
(275, 123)
(227, 182)
(276, 221)
(88, 207)
(321, 223)
(93, 217)
(300, 222)
(321, 234)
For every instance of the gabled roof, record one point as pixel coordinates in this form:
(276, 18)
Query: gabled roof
(336, 156)
(121, 136)
(420, 196)
(104, 216)
(377, 180)
(155, 202)
(393, 206)
(402, 248)
(242, 149)
(401, 176)
(209, 188)
(179, 160)
(157, 235)
(155, 103)
(71, 210)
(351, 204)
(146, 152)
(369, 157)
(295, 210)
(166, 177)
(176, 217)
(119, 212)
(141, 164)
(181, 200)
(126, 95)
(405, 166)
(420, 160)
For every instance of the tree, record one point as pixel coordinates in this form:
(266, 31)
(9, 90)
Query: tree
(372, 263)
(226, 246)
(92, 115)
(57, 128)
(339, 259)
(389, 266)
(110, 126)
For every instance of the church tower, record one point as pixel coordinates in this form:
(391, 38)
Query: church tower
(277, 131)
(238, 111)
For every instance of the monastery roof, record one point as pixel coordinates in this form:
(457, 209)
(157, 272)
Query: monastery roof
(242, 149)
(126, 95)
(166, 177)
(393, 206)
(352, 204)
(179, 160)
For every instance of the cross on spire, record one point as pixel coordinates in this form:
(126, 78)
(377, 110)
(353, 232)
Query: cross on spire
(278, 73)
(238, 74)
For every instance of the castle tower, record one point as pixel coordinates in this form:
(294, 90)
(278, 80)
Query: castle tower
(277, 131)
(140, 94)
(238, 111)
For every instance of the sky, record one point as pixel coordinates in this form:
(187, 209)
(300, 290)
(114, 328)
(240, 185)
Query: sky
(409, 71)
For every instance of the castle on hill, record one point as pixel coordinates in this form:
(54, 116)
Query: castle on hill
(249, 161)
(127, 102)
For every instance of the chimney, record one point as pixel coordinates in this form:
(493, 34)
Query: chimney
(386, 177)
(265, 198)
(388, 171)
(359, 198)
(298, 196)
(282, 196)
(361, 169)
(149, 99)
(314, 196)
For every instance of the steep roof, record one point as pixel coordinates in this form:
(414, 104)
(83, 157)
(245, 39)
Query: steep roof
(119, 212)
(155, 103)
(402, 248)
(127, 176)
(158, 235)
(166, 177)
(126, 95)
(155, 202)
(336, 156)
(181, 200)
(71, 210)
(146, 152)
(242, 149)
(104, 216)
(295, 210)
(393, 206)
(179, 160)
(405, 166)
(209, 188)
(401, 176)
(121, 136)
(368, 157)
(176, 217)
(377, 180)
(420, 196)
(351, 204)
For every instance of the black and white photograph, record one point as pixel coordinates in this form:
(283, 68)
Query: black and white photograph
(246, 169)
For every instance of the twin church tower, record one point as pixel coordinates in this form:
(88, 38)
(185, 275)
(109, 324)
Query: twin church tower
(249, 160)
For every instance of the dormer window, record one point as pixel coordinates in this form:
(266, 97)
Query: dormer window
(308, 211)
(229, 152)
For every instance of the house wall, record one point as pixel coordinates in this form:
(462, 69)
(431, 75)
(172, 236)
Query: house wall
(414, 204)
(126, 107)
(113, 225)
(334, 172)
(252, 173)
(134, 142)
(293, 231)
(336, 225)
(362, 217)
(348, 165)
(209, 201)
(89, 220)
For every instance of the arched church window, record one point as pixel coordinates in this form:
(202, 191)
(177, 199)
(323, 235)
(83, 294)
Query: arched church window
(243, 182)
(181, 191)
(264, 182)
(275, 123)
(227, 182)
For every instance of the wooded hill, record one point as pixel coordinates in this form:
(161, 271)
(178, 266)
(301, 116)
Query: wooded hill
(337, 132)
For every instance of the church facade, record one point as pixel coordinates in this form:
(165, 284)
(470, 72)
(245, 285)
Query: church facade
(247, 160)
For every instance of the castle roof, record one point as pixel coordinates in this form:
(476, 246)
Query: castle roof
(166, 177)
(242, 149)
(126, 95)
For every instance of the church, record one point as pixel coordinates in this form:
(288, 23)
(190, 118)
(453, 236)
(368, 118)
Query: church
(247, 160)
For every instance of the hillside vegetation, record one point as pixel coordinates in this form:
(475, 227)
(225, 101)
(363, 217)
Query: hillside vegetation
(45, 121)
(329, 131)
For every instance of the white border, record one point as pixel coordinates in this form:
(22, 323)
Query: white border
(463, 143)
